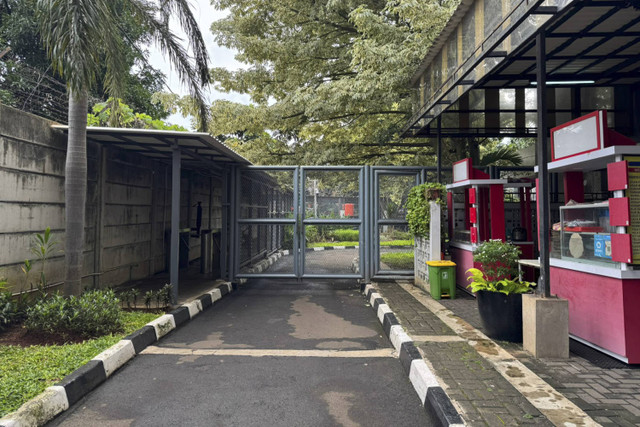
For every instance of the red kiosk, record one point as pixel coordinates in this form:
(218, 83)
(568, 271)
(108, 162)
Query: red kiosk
(595, 246)
(478, 212)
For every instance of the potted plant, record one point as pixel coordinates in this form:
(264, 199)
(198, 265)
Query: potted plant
(498, 293)
(419, 221)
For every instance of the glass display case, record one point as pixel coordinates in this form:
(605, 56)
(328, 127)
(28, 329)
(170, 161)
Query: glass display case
(585, 233)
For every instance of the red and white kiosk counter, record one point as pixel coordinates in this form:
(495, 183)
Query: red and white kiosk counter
(595, 247)
(478, 212)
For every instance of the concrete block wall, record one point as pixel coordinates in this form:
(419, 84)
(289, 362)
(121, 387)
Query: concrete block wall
(128, 205)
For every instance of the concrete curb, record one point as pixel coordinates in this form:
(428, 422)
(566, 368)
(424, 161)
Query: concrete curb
(58, 398)
(425, 383)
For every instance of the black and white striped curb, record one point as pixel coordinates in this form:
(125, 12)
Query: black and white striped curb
(424, 382)
(58, 398)
(266, 263)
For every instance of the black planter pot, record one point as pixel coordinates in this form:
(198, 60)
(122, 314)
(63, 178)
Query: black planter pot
(501, 315)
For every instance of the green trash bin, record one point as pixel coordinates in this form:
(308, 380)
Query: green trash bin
(442, 279)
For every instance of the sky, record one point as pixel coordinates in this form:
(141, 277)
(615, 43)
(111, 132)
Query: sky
(219, 57)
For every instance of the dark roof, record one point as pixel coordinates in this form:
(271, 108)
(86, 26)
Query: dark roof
(199, 150)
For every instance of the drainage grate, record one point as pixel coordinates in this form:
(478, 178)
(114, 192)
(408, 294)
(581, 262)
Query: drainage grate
(597, 358)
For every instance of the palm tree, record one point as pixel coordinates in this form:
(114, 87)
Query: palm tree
(83, 37)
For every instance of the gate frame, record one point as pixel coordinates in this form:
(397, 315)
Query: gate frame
(368, 221)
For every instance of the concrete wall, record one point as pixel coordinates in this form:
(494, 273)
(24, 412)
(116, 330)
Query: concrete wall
(128, 205)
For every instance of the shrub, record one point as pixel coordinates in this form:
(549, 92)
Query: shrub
(92, 314)
(346, 235)
(417, 206)
(9, 312)
(498, 260)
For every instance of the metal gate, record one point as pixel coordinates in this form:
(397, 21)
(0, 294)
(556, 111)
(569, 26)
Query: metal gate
(322, 221)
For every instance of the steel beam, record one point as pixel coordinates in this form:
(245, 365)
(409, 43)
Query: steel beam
(544, 287)
(174, 265)
(439, 150)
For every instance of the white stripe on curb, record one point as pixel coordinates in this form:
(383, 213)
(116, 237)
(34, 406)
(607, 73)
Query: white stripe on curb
(373, 297)
(215, 295)
(397, 335)
(422, 378)
(40, 409)
(163, 325)
(116, 356)
(194, 307)
(366, 289)
(382, 310)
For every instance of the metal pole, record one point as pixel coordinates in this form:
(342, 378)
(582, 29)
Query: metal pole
(224, 232)
(439, 151)
(315, 198)
(543, 175)
(174, 265)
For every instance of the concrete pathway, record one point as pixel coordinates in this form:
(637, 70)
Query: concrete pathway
(272, 353)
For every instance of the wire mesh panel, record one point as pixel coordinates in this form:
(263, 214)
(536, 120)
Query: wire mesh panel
(332, 194)
(393, 252)
(266, 249)
(395, 246)
(393, 193)
(331, 204)
(267, 194)
(266, 206)
(331, 250)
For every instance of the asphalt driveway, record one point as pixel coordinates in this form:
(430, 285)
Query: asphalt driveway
(272, 353)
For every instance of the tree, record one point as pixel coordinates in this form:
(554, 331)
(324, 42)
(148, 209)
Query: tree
(79, 37)
(332, 76)
(115, 113)
(26, 69)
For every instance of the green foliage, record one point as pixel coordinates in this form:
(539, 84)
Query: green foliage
(329, 79)
(148, 298)
(501, 156)
(28, 371)
(115, 113)
(94, 313)
(506, 286)
(398, 260)
(498, 259)
(42, 246)
(19, 29)
(417, 206)
(356, 243)
(345, 235)
(9, 312)
(395, 234)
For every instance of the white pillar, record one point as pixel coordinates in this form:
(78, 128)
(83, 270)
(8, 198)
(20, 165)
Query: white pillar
(435, 243)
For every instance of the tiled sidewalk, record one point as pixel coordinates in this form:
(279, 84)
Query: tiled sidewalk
(483, 394)
(609, 396)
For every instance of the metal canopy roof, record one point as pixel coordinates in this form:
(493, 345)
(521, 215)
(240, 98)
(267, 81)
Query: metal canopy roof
(587, 40)
(595, 40)
(200, 150)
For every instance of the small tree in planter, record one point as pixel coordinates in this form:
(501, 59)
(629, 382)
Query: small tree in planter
(419, 219)
(499, 295)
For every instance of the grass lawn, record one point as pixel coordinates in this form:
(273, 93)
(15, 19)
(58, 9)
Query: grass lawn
(26, 372)
(383, 243)
(398, 260)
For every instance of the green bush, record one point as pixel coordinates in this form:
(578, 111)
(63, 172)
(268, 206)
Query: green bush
(498, 260)
(418, 212)
(346, 235)
(398, 260)
(93, 314)
(9, 312)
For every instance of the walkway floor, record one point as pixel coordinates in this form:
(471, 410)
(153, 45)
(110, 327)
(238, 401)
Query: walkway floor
(271, 353)
(609, 395)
